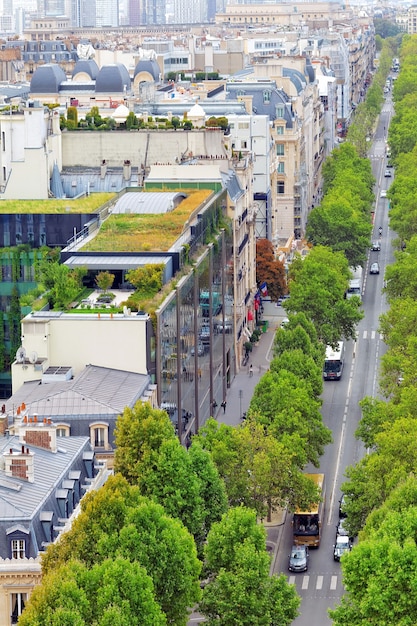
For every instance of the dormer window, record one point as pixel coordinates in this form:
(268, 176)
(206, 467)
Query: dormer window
(18, 548)
(267, 96)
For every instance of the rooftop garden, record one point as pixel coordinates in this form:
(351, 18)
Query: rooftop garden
(87, 204)
(144, 233)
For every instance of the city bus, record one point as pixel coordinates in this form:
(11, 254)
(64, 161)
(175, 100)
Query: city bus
(307, 525)
(334, 361)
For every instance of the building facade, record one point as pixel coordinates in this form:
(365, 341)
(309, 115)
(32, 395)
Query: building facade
(41, 486)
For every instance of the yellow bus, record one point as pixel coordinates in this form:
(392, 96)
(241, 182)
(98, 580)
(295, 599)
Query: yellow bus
(307, 525)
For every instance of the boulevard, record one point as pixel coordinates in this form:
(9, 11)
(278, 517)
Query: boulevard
(321, 587)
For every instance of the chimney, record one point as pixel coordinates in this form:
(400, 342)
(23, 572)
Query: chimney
(103, 169)
(41, 434)
(4, 424)
(127, 170)
(20, 464)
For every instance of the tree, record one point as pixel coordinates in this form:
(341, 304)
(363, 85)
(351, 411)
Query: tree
(246, 595)
(212, 487)
(269, 270)
(299, 334)
(318, 286)
(115, 592)
(146, 279)
(302, 365)
(176, 122)
(401, 276)
(284, 404)
(388, 553)
(240, 590)
(373, 479)
(117, 520)
(72, 114)
(340, 226)
(131, 121)
(259, 471)
(237, 527)
(168, 479)
(139, 435)
(104, 280)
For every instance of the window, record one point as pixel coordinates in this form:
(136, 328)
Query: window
(62, 431)
(3, 140)
(99, 435)
(280, 130)
(280, 110)
(280, 187)
(18, 548)
(280, 149)
(243, 145)
(18, 601)
(243, 125)
(281, 168)
(267, 97)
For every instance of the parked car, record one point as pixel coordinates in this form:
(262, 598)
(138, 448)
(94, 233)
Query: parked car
(342, 530)
(285, 322)
(388, 173)
(342, 502)
(298, 559)
(341, 546)
(383, 193)
(374, 268)
(376, 246)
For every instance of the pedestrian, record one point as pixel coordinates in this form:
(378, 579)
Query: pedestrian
(250, 370)
(223, 405)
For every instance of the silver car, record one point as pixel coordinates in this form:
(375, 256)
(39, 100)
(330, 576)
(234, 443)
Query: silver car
(298, 559)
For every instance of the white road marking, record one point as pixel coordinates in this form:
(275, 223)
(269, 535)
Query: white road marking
(319, 583)
(306, 580)
(333, 583)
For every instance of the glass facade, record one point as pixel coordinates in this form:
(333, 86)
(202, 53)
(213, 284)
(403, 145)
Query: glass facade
(196, 330)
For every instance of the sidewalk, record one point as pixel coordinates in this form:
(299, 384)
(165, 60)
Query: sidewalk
(243, 385)
(238, 399)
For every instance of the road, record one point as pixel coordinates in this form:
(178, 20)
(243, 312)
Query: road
(321, 587)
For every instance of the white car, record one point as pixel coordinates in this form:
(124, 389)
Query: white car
(384, 193)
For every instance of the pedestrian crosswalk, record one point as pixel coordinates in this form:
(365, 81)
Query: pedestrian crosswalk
(317, 582)
(370, 334)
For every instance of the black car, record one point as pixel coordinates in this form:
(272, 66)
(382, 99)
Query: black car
(342, 502)
(298, 559)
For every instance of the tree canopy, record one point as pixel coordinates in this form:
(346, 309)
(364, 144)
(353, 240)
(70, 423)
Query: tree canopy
(269, 269)
(318, 286)
(240, 590)
(118, 520)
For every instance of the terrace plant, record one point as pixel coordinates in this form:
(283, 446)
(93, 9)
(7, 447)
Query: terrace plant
(144, 232)
(87, 204)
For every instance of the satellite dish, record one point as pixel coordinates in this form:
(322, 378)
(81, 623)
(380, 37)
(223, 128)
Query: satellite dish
(33, 357)
(20, 354)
